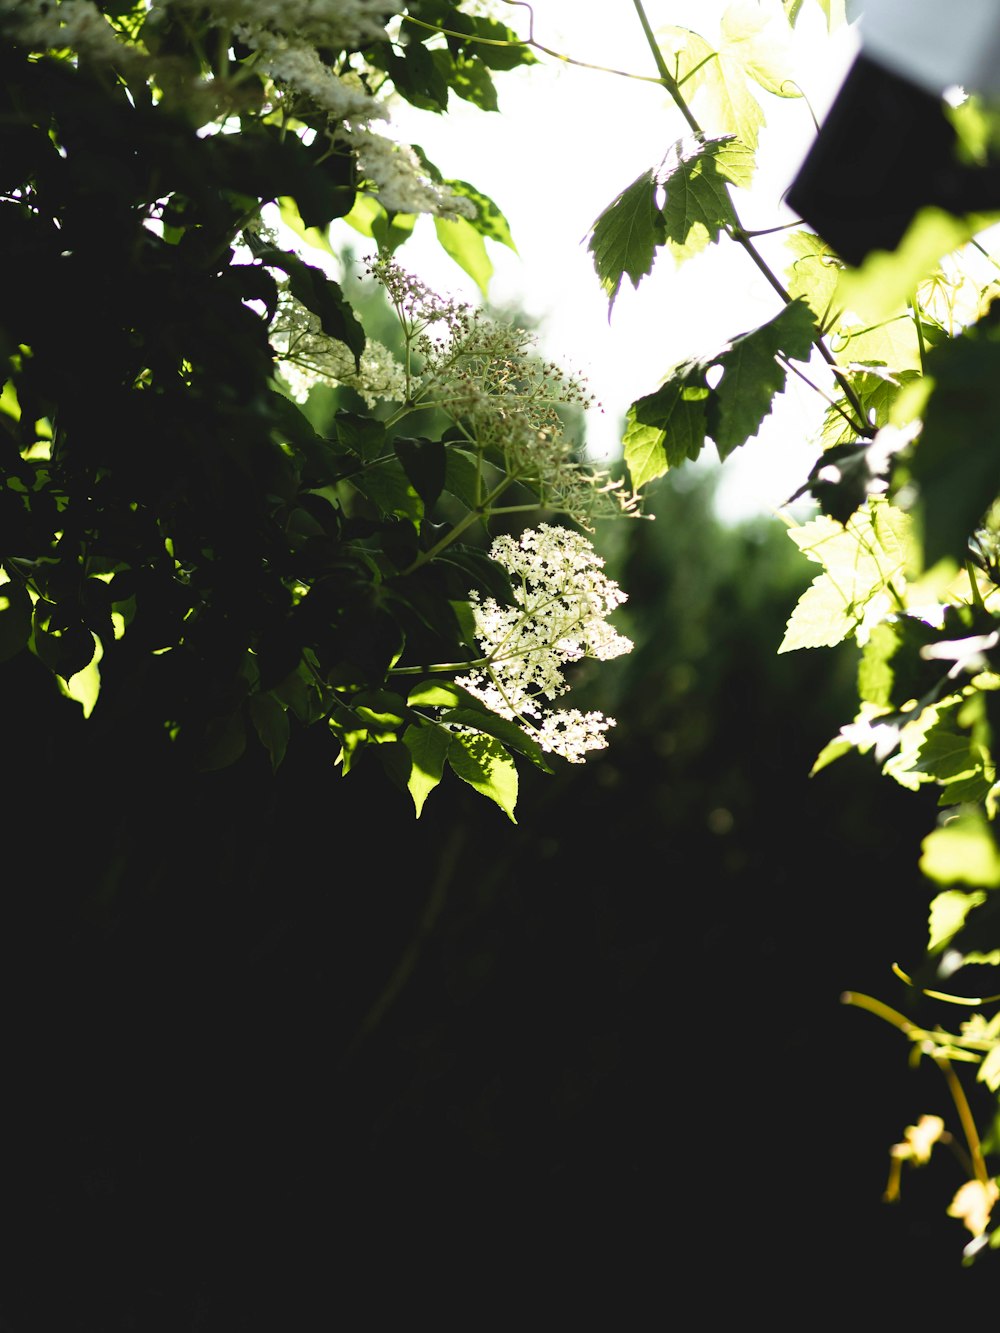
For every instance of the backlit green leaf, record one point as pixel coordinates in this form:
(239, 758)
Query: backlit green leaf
(428, 747)
(624, 238)
(695, 176)
(460, 239)
(860, 560)
(485, 764)
(963, 851)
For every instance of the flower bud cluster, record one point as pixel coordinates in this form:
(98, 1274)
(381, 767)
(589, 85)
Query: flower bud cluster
(488, 377)
(562, 601)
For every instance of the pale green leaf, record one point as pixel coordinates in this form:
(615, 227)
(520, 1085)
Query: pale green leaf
(860, 560)
(715, 85)
(485, 764)
(892, 343)
(753, 41)
(962, 851)
(460, 239)
(832, 751)
(428, 747)
(813, 271)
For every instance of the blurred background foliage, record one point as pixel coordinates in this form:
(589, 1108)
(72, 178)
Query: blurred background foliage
(242, 1017)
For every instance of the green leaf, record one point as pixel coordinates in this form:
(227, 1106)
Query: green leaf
(424, 463)
(948, 913)
(382, 711)
(319, 294)
(956, 461)
(489, 221)
(363, 436)
(511, 733)
(752, 376)
(696, 175)
(313, 236)
(485, 764)
(461, 240)
(813, 272)
(962, 851)
(390, 489)
(666, 427)
(439, 694)
(270, 722)
(468, 77)
(625, 236)
(860, 560)
(417, 75)
(428, 747)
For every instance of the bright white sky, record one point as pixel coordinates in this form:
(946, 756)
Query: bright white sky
(566, 142)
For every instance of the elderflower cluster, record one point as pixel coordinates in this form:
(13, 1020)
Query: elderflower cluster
(399, 181)
(78, 25)
(307, 356)
(297, 67)
(486, 375)
(562, 601)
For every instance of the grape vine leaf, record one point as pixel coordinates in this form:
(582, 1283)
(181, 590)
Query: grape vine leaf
(693, 178)
(716, 80)
(670, 425)
(695, 175)
(812, 272)
(625, 236)
(860, 560)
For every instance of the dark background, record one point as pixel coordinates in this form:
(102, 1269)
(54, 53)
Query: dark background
(273, 1047)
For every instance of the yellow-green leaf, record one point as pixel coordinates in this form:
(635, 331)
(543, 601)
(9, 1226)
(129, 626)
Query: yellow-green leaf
(962, 851)
(428, 747)
(485, 764)
(465, 245)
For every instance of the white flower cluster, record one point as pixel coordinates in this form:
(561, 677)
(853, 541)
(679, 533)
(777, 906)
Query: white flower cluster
(307, 356)
(52, 25)
(400, 183)
(298, 67)
(487, 376)
(562, 601)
